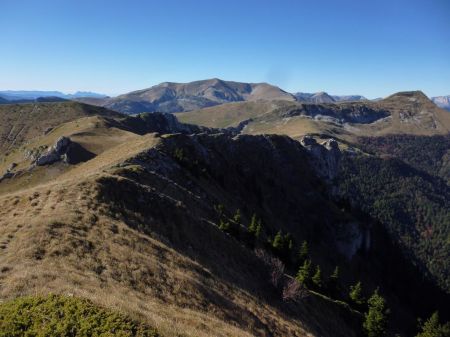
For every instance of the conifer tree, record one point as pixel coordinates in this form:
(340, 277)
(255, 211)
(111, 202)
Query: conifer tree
(303, 252)
(376, 318)
(317, 278)
(278, 242)
(237, 216)
(432, 327)
(253, 224)
(356, 294)
(303, 274)
(333, 280)
(259, 229)
(290, 244)
(224, 225)
(220, 209)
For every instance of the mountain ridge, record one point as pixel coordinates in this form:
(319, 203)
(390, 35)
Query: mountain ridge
(176, 97)
(18, 95)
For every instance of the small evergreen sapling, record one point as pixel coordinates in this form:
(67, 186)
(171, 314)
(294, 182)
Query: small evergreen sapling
(303, 275)
(317, 278)
(303, 252)
(376, 318)
(356, 294)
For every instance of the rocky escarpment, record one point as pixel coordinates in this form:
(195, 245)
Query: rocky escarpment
(159, 122)
(350, 237)
(167, 123)
(339, 113)
(325, 156)
(273, 176)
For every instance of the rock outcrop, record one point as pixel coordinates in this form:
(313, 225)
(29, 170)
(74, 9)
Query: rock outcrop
(351, 238)
(326, 156)
(354, 112)
(56, 153)
(159, 122)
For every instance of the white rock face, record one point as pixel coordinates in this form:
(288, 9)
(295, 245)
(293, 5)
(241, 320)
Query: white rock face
(442, 101)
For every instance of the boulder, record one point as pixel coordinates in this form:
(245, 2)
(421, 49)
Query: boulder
(55, 153)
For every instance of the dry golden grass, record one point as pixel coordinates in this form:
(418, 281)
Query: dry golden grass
(59, 239)
(23, 122)
(58, 234)
(230, 114)
(93, 133)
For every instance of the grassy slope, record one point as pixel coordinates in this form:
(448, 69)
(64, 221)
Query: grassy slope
(23, 122)
(230, 114)
(95, 134)
(63, 237)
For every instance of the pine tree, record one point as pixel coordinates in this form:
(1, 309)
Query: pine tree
(220, 209)
(290, 245)
(375, 323)
(253, 224)
(278, 242)
(303, 253)
(317, 278)
(333, 282)
(237, 216)
(224, 225)
(303, 274)
(432, 327)
(259, 229)
(356, 294)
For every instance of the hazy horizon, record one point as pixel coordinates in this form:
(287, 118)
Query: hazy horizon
(112, 47)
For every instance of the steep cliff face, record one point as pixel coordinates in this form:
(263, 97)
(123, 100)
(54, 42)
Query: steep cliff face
(325, 156)
(349, 237)
(354, 112)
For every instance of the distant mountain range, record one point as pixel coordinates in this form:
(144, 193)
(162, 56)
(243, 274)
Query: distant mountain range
(17, 95)
(442, 101)
(181, 97)
(323, 97)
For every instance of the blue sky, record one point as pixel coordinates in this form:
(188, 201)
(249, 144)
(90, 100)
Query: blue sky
(373, 48)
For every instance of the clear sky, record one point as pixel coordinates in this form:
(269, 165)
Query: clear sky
(367, 47)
